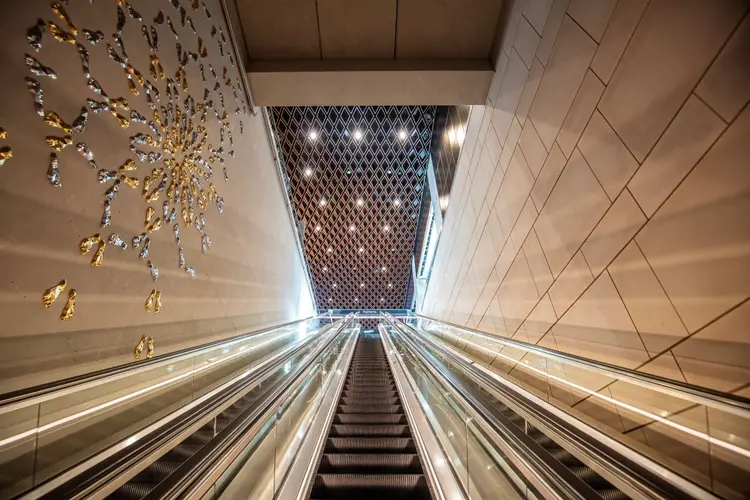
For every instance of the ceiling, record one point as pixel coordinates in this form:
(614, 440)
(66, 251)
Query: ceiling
(375, 29)
(357, 197)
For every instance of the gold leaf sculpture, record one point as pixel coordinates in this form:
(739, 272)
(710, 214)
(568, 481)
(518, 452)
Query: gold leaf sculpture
(70, 306)
(50, 295)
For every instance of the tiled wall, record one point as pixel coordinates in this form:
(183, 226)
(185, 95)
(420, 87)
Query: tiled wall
(602, 199)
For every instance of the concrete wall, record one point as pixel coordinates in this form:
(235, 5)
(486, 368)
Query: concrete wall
(602, 198)
(251, 276)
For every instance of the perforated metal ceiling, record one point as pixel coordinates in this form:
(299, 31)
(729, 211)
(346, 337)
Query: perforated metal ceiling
(356, 176)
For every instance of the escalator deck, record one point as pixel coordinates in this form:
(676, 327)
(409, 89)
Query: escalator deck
(369, 452)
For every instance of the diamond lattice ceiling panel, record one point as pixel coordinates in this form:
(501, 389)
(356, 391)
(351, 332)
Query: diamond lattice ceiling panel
(356, 176)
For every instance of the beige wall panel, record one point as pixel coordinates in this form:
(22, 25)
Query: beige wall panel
(446, 29)
(364, 30)
(280, 29)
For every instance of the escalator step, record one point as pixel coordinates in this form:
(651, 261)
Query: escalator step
(382, 463)
(369, 409)
(564, 457)
(156, 472)
(369, 418)
(369, 445)
(182, 452)
(612, 494)
(369, 401)
(588, 475)
(369, 430)
(367, 486)
(133, 490)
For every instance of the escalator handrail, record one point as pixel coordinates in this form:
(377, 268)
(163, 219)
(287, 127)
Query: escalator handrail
(15, 400)
(190, 479)
(638, 472)
(109, 467)
(730, 403)
(542, 473)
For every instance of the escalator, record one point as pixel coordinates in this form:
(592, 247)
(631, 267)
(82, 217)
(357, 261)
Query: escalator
(601, 486)
(145, 481)
(493, 402)
(369, 452)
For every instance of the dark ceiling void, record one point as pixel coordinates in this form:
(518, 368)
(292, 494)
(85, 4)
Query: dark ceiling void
(356, 176)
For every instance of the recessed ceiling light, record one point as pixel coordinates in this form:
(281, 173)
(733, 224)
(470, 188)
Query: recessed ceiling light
(384, 269)
(358, 134)
(335, 285)
(397, 202)
(390, 285)
(325, 268)
(356, 299)
(361, 249)
(330, 249)
(360, 202)
(361, 285)
(352, 228)
(330, 299)
(402, 134)
(386, 228)
(308, 172)
(318, 228)
(323, 202)
(312, 135)
(382, 299)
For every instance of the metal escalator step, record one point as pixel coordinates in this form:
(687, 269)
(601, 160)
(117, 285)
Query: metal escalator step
(354, 393)
(369, 418)
(612, 494)
(367, 486)
(565, 457)
(202, 436)
(369, 401)
(132, 490)
(338, 430)
(369, 445)
(381, 463)
(156, 472)
(182, 452)
(369, 409)
(588, 475)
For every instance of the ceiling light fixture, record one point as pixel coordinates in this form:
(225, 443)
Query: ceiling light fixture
(323, 202)
(330, 249)
(360, 202)
(325, 268)
(308, 172)
(390, 285)
(361, 285)
(335, 285)
(358, 135)
(397, 202)
(352, 228)
(318, 228)
(402, 135)
(386, 228)
(313, 135)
